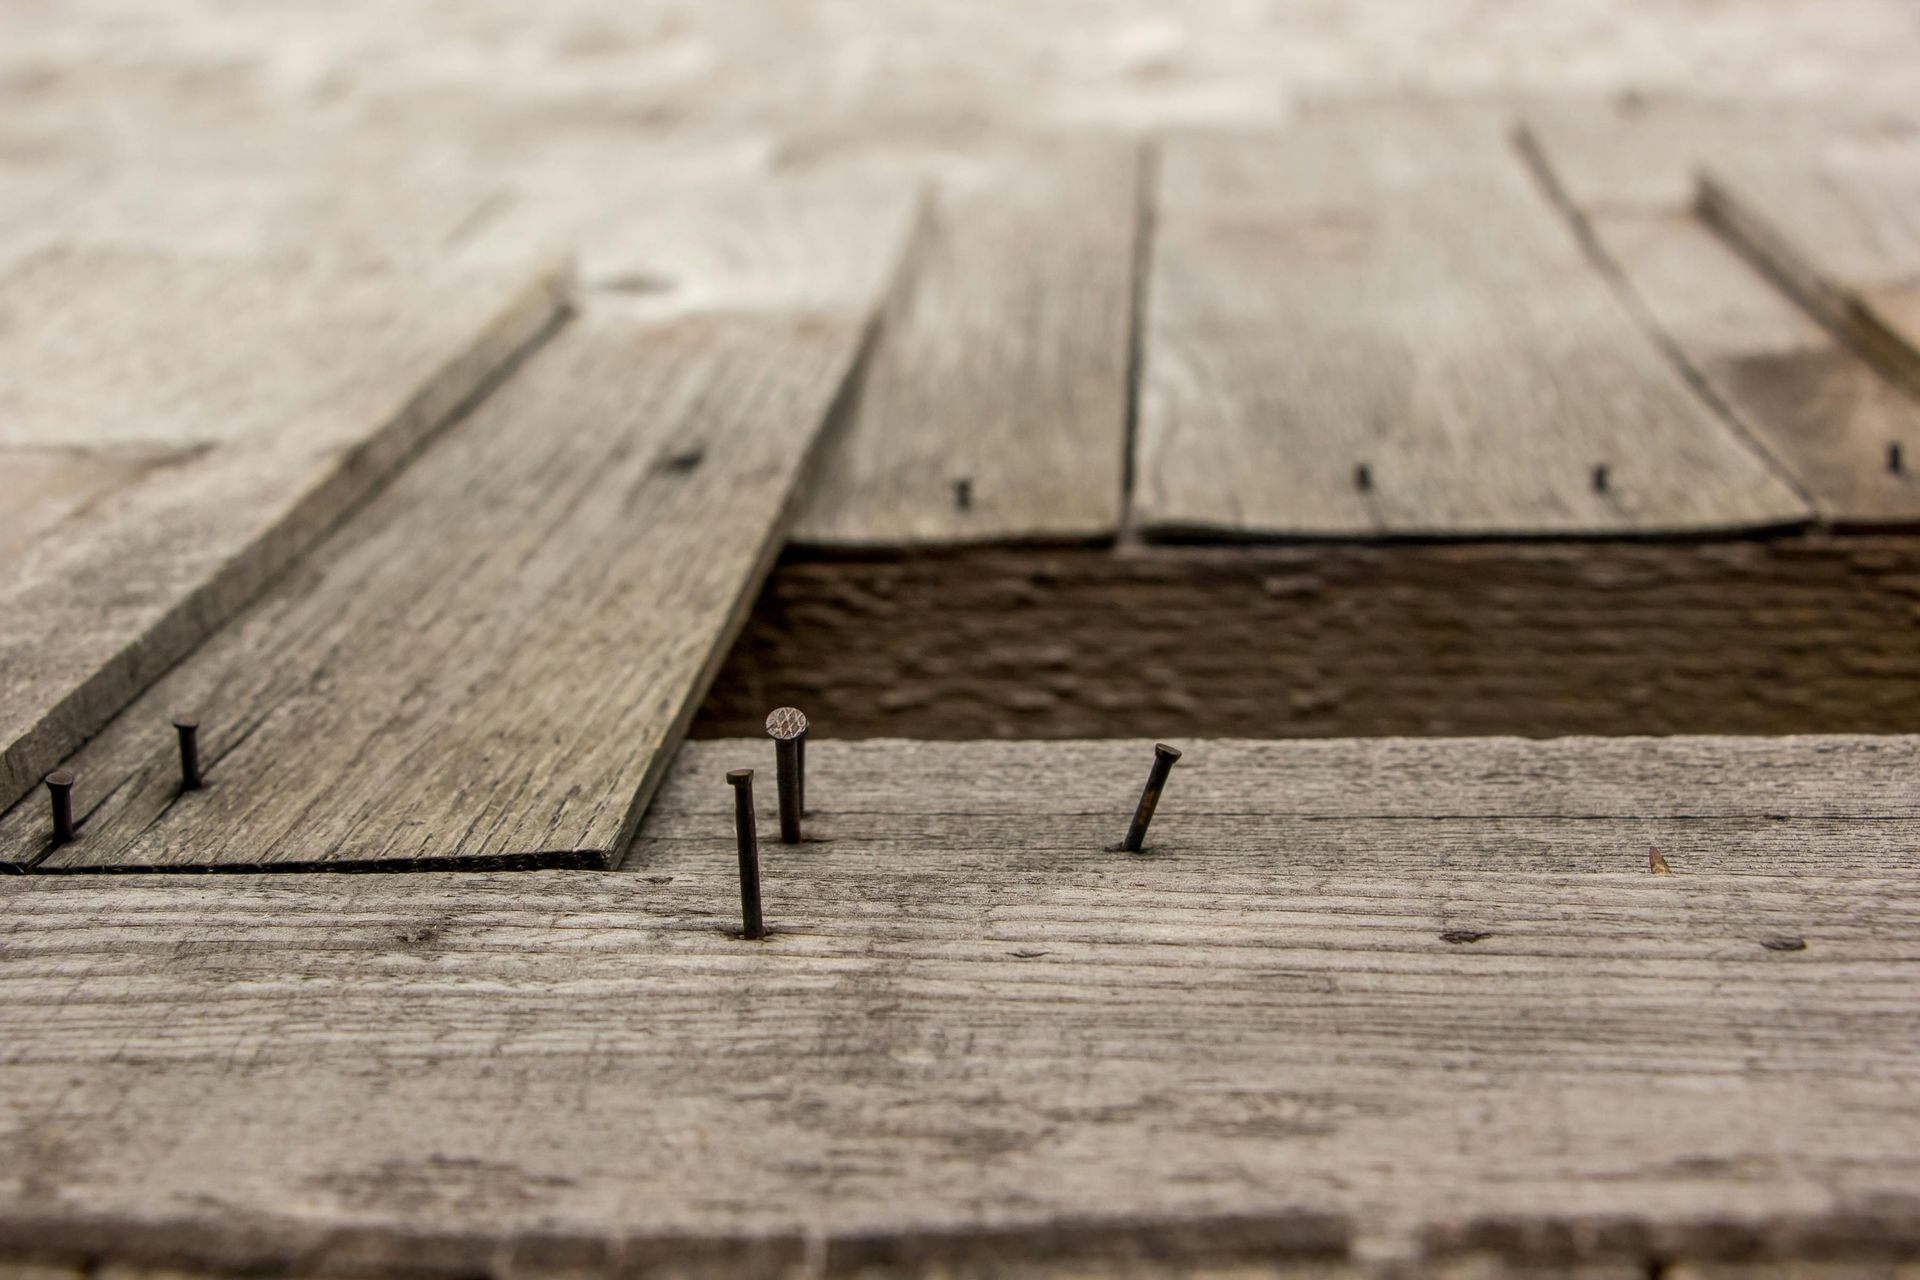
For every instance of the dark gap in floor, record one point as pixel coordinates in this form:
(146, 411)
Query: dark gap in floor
(1813, 634)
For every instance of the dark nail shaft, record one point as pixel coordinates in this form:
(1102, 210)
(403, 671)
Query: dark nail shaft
(1163, 758)
(189, 731)
(741, 780)
(786, 756)
(60, 791)
(800, 771)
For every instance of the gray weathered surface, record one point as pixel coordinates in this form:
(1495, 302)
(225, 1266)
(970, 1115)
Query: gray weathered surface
(1001, 362)
(1844, 236)
(999, 1039)
(496, 657)
(1825, 414)
(235, 410)
(1394, 291)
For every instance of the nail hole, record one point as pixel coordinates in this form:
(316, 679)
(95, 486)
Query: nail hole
(1460, 936)
(639, 282)
(684, 461)
(1784, 943)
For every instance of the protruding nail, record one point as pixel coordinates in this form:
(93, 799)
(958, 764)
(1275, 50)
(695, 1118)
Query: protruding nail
(741, 780)
(1600, 478)
(963, 494)
(1363, 478)
(189, 730)
(1163, 758)
(789, 729)
(1895, 463)
(60, 792)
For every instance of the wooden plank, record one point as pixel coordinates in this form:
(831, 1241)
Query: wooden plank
(995, 405)
(1404, 299)
(990, 1042)
(494, 661)
(1843, 236)
(236, 409)
(1824, 413)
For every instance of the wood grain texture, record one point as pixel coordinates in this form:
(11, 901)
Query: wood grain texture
(1820, 410)
(1395, 293)
(493, 661)
(236, 409)
(1810, 634)
(1844, 237)
(1006, 1040)
(1001, 365)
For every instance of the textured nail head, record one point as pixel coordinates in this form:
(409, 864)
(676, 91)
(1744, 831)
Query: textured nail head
(189, 730)
(786, 722)
(60, 795)
(1164, 757)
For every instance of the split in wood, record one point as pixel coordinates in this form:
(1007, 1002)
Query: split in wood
(788, 725)
(188, 728)
(752, 925)
(1163, 758)
(60, 792)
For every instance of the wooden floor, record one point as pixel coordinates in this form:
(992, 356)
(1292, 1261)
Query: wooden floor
(418, 398)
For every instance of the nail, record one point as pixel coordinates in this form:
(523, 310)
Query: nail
(1600, 478)
(189, 730)
(741, 780)
(1163, 758)
(789, 729)
(1895, 463)
(60, 791)
(963, 494)
(1363, 478)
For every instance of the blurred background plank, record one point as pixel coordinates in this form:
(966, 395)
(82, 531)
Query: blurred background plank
(1394, 293)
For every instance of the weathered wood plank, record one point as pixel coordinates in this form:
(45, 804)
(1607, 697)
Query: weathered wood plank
(1844, 236)
(236, 409)
(995, 405)
(494, 660)
(1824, 413)
(1396, 294)
(946, 1048)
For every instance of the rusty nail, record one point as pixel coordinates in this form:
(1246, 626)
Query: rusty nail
(741, 780)
(789, 729)
(60, 791)
(189, 730)
(1163, 758)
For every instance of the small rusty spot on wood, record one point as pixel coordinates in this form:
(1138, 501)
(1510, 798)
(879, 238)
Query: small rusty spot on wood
(1461, 936)
(1656, 863)
(1786, 942)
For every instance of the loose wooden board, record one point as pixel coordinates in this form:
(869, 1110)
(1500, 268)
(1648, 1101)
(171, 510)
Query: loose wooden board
(174, 432)
(1001, 367)
(993, 1043)
(493, 661)
(1843, 236)
(1825, 414)
(1396, 293)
